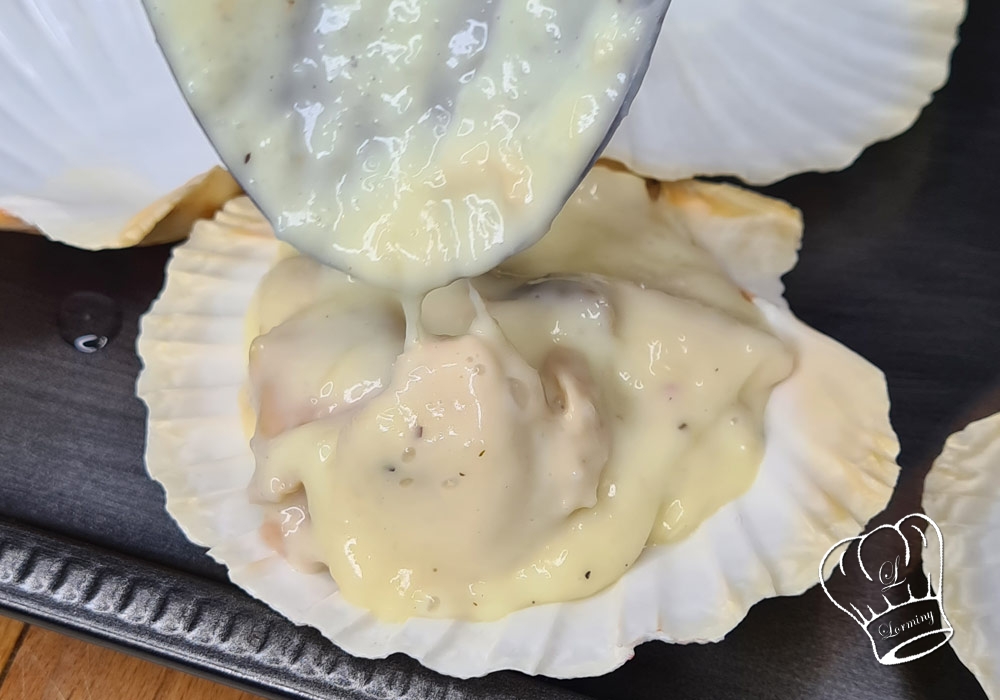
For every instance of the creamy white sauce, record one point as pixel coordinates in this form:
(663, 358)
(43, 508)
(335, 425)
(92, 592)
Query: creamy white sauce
(410, 142)
(533, 438)
(508, 440)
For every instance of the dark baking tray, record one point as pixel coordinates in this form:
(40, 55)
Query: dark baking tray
(901, 262)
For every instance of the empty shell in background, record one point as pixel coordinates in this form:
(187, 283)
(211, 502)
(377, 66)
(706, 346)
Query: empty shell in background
(764, 89)
(98, 145)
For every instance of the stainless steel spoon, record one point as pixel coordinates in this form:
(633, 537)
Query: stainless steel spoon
(180, 21)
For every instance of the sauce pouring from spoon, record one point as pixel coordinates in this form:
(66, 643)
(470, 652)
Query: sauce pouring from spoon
(412, 142)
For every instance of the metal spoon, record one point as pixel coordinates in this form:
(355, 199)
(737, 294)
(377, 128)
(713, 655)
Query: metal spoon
(176, 18)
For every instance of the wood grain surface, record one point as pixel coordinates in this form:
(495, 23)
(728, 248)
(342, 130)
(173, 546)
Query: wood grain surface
(10, 633)
(36, 664)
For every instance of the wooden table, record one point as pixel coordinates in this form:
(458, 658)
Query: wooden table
(36, 664)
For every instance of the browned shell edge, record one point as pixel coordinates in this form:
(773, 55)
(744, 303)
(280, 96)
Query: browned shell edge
(658, 189)
(9, 222)
(199, 202)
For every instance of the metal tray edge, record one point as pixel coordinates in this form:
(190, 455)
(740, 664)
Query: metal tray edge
(204, 627)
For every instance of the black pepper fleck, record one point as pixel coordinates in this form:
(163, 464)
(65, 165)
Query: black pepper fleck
(246, 159)
(482, 453)
(682, 426)
(587, 575)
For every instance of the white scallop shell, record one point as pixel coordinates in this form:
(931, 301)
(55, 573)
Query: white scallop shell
(96, 142)
(763, 89)
(829, 467)
(962, 495)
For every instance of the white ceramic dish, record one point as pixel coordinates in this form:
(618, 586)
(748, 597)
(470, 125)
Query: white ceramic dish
(962, 495)
(763, 89)
(828, 466)
(96, 142)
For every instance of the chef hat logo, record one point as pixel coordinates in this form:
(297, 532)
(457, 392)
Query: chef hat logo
(878, 581)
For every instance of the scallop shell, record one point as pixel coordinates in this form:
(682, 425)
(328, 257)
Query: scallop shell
(962, 495)
(98, 144)
(9, 222)
(765, 89)
(829, 467)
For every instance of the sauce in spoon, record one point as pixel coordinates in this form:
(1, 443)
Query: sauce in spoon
(411, 142)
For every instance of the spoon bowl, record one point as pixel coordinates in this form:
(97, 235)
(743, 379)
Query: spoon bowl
(409, 151)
